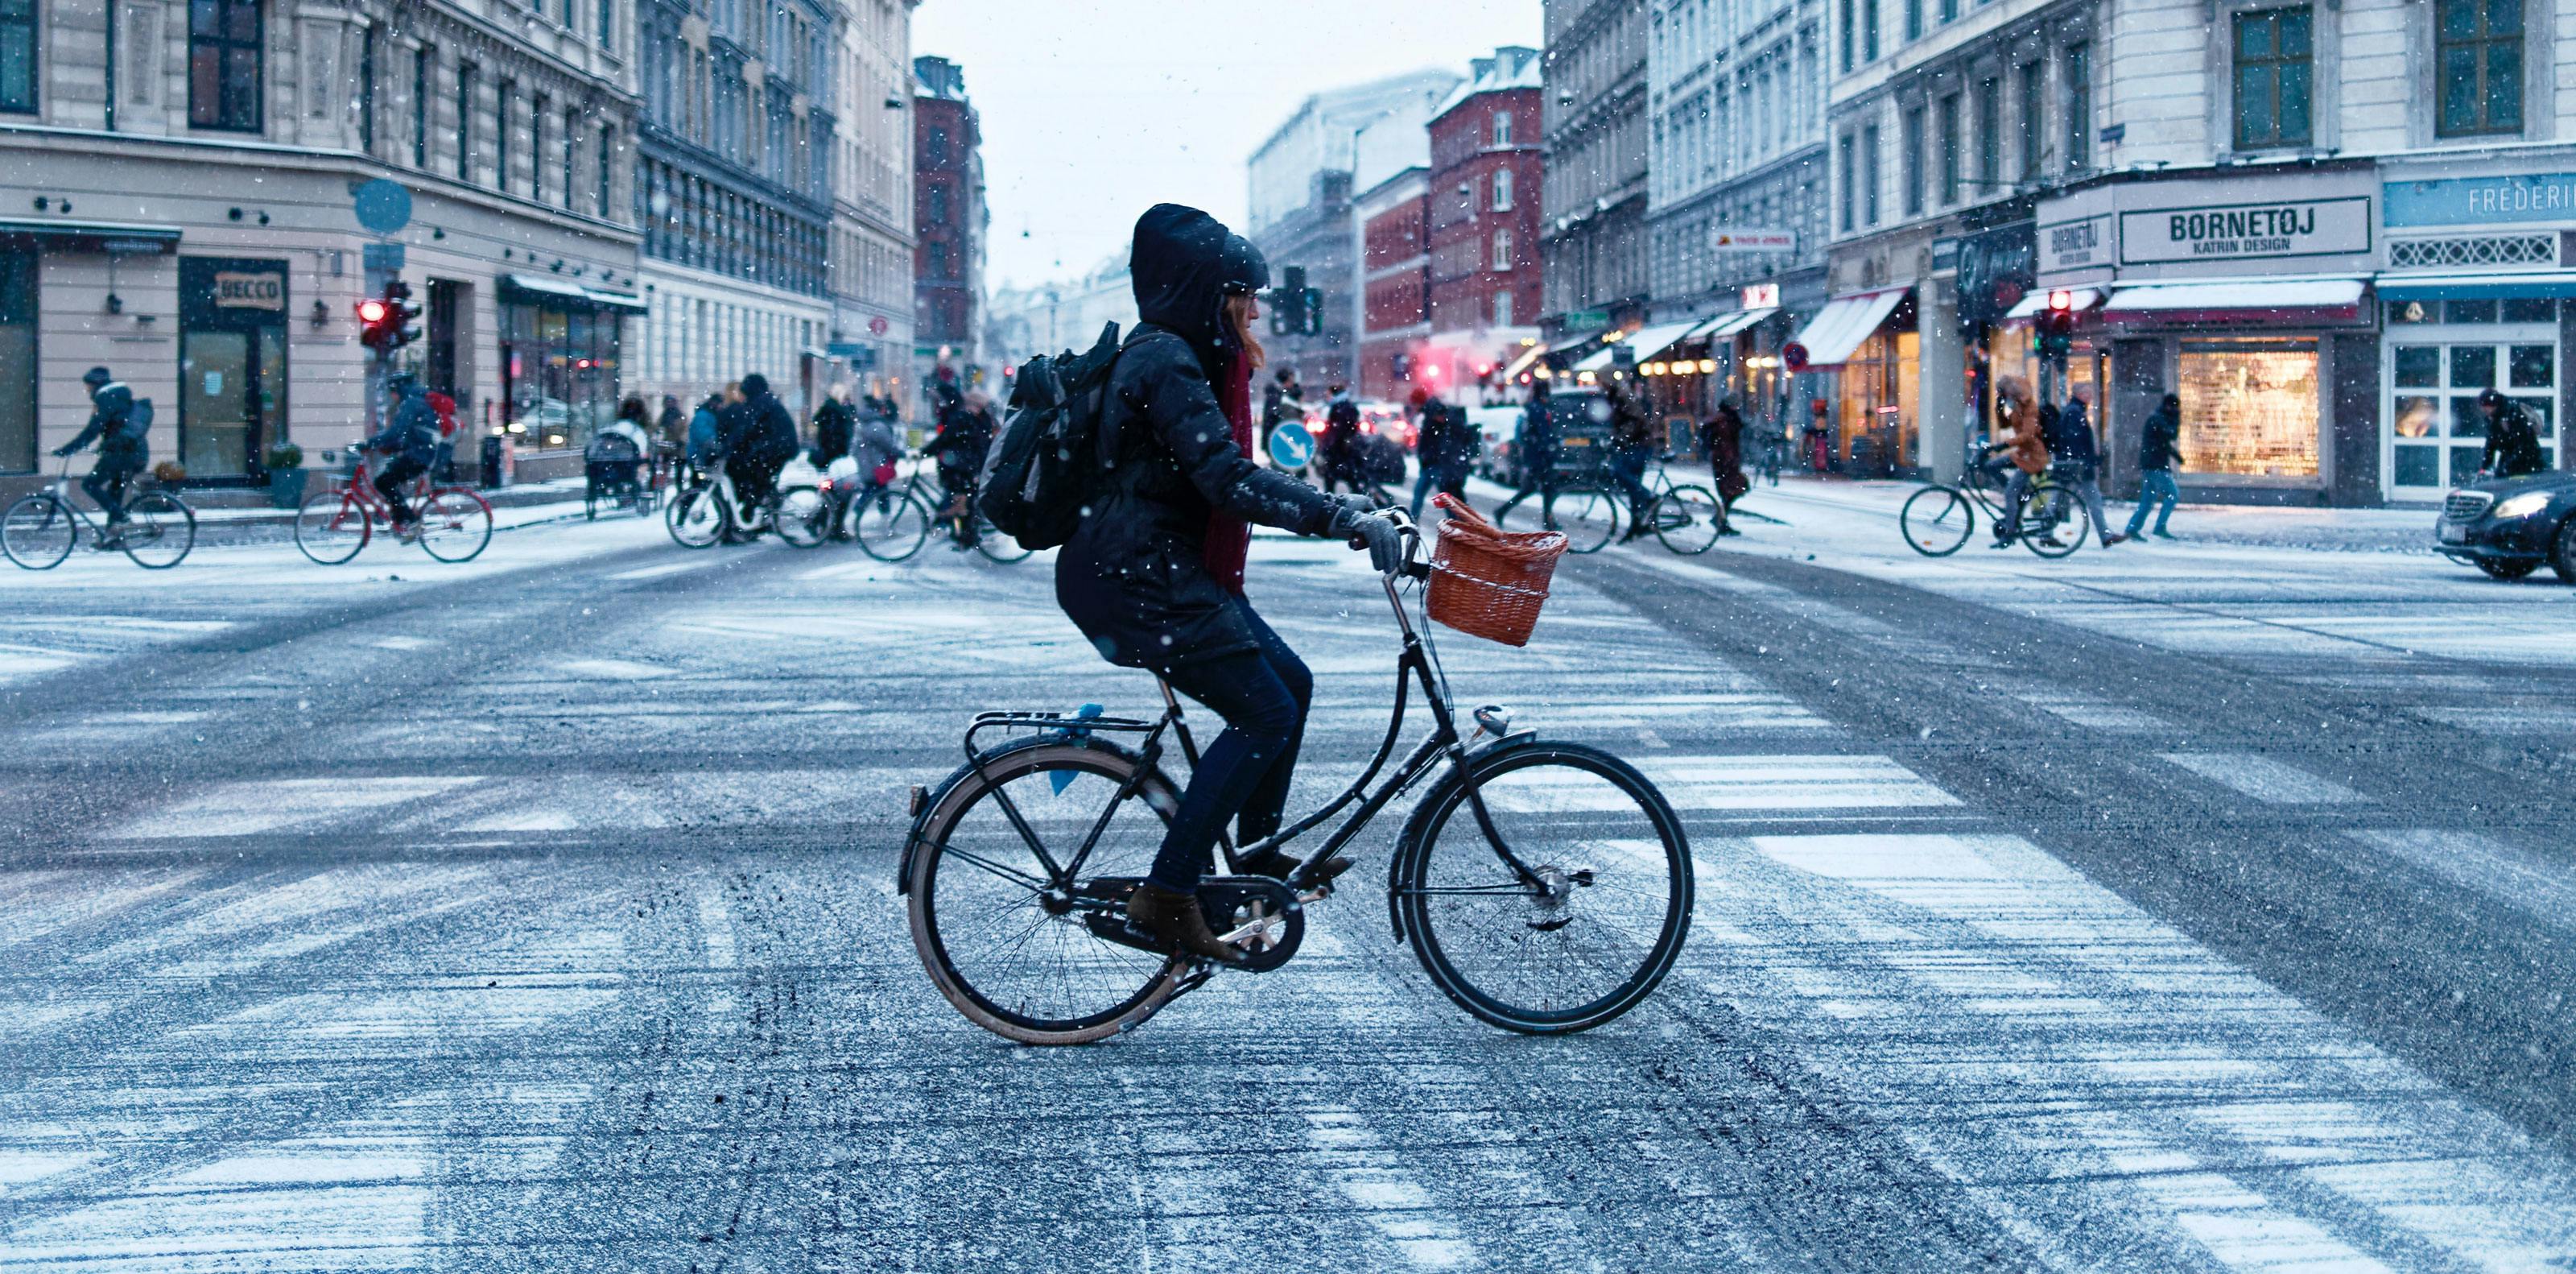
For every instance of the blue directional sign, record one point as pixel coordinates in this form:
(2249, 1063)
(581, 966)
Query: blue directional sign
(1291, 446)
(384, 207)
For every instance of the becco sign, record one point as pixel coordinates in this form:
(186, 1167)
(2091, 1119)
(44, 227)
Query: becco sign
(2246, 231)
(239, 291)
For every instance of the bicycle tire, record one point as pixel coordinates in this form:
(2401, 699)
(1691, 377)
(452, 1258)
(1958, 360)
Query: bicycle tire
(38, 532)
(803, 517)
(697, 517)
(890, 525)
(2058, 509)
(167, 527)
(1588, 517)
(323, 527)
(1452, 894)
(1689, 519)
(1017, 1016)
(998, 547)
(1942, 525)
(455, 524)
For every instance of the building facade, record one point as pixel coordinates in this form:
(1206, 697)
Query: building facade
(1395, 294)
(1052, 317)
(1486, 189)
(1301, 184)
(872, 239)
(734, 193)
(1595, 244)
(182, 214)
(949, 223)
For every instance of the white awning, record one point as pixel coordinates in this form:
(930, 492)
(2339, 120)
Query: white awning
(2179, 302)
(1729, 324)
(1521, 362)
(1845, 322)
(2080, 300)
(1650, 341)
(1596, 360)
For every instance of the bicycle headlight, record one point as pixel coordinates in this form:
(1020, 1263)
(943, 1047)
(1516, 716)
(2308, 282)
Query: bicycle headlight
(2521, 506)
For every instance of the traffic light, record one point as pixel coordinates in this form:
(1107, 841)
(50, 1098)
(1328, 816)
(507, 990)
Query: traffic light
(389, 322)
(2053, 335)
(375, 322)
(1295, 309)
(1310, 307)
(405, 318)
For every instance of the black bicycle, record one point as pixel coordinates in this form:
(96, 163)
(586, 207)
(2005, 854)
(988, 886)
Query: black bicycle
(1546, 887)
(156, 528)
(891, 523)
(1938, 520)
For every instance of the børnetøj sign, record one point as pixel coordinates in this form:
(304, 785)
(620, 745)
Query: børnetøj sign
(240, 290)
(2246, 231)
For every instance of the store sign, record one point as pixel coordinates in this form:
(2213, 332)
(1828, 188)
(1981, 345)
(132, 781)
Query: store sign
(1722, 239)
(1762, 296)
(238, 291)
(2075, 245)
(2246, 231)
(2477, 201)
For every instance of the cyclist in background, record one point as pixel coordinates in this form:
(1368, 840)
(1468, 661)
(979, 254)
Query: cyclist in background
(759, 440)
(122, 447)
(963, 439)
(409, 442)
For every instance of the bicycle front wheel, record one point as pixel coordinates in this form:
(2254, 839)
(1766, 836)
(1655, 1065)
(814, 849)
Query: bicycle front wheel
(37, 532)
(1688, 519)
(159, 531)
(1563, 905)
(1588, 518)
(803, 516)
(455, 525)
(697, 517)
(2055, 524)
(1013, 956)
(1937, 521)
(890, 525)
(330, 527)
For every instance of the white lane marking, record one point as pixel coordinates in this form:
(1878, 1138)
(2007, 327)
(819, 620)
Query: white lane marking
(2093, 714)
(2503, 718)
(523, 820)
(665, 568)
(2263, 778)
(351, 1198)
(715, 930)
(1387, 1198)
(402, 643)
(21, 1167)
(613, 669)
(243, 809)
(2515, 877)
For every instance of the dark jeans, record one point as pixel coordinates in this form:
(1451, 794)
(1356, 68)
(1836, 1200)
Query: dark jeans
(1262, 694)
(1628, 469)
(389, 484)
(754, 478)
(1451, 478)
(106, 484)
(1538, 475)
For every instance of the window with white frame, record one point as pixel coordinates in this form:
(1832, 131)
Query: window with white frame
(1502, 128)
(1503, 249)
(1502, 190)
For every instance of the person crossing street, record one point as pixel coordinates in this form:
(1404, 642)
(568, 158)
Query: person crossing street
(2157, 456)
(1534, 445)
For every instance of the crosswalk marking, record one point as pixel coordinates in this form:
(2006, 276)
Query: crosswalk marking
(269, 805)
(2263, 778)
(2526, 882)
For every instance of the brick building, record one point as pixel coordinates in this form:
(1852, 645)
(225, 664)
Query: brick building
(1395, 298)
(1487, 166)
(949, 221)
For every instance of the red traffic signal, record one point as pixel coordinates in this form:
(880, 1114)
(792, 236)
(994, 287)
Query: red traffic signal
(372, 311)
(2053, 332)
(2061, 300)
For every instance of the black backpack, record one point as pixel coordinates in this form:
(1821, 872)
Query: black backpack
(137, 425)
(1040, 472)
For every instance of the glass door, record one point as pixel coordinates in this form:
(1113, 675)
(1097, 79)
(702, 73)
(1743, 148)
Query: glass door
(2441, 355)
(232, 365)
(215, 411)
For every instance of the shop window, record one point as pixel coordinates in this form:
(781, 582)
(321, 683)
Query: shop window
(232, 364)
(2478, 67)
(2275, 67)
(1912, 138)
(225, 50)
(2529, 310)
(17, 362)
(2033, 80)
(2437, 430)
(1990, 136)
(2249, 408)
(559, 371)
(18, 58)
(2479, 311)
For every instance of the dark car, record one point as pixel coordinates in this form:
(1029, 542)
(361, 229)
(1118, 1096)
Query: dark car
(2510, 527)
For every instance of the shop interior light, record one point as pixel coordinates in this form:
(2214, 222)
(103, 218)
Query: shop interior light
(1707, 366)
(1583, 378)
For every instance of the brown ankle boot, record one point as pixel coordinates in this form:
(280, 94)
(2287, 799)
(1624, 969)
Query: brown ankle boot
(1175, 920)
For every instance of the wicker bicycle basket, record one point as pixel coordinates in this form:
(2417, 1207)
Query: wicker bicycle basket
(1488, 582)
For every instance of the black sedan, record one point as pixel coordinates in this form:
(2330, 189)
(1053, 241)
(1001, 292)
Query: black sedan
(2510, 527)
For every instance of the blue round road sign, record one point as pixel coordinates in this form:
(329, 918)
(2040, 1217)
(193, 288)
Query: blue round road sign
(384, 207)
(1290, 445)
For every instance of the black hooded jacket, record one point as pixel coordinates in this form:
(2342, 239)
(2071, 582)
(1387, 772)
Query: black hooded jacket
(1132, 577)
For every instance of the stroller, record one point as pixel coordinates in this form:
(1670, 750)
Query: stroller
(613, 462)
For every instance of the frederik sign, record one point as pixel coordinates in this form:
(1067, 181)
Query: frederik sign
(2290, 228)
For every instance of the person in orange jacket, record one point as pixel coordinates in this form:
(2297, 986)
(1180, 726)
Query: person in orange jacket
(2018, 434)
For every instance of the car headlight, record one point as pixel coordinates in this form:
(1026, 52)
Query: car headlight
(2521, 506)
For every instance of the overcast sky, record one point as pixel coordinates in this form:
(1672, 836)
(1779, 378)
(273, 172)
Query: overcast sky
(1094, 110)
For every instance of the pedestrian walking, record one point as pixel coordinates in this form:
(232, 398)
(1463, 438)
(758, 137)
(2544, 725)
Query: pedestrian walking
(1726, 459)
(2077, 456)
(1631, 434)
(1343, 460)
(1446, 446)
(2158, 453)
(1153, 574)
(673, 425)
(2513, 445)
(1534, 446)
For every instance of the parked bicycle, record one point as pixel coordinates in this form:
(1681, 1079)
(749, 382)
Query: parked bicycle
(706, 511)
(1545, 887)
(40, 530)
(891, 523)
(451, 523)
(1939, 520)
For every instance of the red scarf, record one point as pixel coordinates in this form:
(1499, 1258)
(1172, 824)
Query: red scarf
(1229, 538)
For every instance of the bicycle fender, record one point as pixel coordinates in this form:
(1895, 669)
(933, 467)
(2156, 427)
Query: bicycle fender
(1407, 839)
(938, 795)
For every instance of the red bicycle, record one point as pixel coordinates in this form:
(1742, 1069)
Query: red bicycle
(451, 523)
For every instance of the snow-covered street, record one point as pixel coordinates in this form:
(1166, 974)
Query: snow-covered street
(2183, 906)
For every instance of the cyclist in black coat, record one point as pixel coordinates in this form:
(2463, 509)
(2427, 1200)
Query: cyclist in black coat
(833, 422)
(122, 449)
(409, 443)
(1153, 574)
(759, 440)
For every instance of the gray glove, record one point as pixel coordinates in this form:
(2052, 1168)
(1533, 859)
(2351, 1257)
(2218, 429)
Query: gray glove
(1374, 532)
(1353, 502)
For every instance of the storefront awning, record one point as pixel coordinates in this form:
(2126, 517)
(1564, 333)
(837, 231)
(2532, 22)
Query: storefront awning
(2477, 287)
(1845, 322)
(624, 302)
(123, 238)
(2269, 301)
(1521, 362)
(540, 288)
(2078, 300)
(1651, 341)
(1728, 324)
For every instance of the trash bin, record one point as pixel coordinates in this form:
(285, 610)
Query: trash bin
(497, 461)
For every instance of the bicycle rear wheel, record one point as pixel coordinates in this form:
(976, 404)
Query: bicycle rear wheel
(990, 542)
(330, 527)
(159, 531)
(1937, 521)
(697, 517)
(803, 516)
(1688, 519)
(455, 524)
(890, 525)
(2055, 523)
(1599, 925)
(1010, 955)
(1588, 517)
(37, 532)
